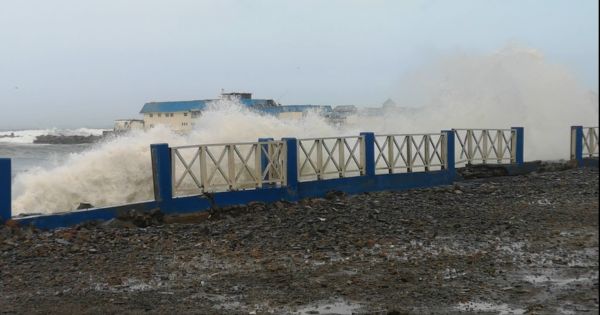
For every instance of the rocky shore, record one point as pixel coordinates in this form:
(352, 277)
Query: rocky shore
(511, 245)
(64, 139)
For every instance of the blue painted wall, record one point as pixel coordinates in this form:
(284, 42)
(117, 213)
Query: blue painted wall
(292, 191)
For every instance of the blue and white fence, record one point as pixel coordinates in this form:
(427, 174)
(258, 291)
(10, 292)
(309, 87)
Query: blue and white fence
(584, 145)
(490, 146)
(201, 177)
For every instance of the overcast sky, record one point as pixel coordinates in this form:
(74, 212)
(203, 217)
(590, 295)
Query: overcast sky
(84, 63)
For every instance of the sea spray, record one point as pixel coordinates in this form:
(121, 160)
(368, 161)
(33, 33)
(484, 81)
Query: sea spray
(513, 87)
(119, 170)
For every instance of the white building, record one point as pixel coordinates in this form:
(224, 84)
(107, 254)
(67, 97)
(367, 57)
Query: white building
(124, 125)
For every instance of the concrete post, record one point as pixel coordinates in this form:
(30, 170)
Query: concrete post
(162, 173)
(519, 154)
(450, 151)
(369, 153)
(5, 190)
(577, 144)
(291, 167)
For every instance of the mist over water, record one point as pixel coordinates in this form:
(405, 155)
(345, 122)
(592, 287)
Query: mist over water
(513, 87)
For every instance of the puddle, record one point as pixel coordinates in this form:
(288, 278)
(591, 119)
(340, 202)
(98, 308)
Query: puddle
(340, 307)
(477, 307)
(554, 277)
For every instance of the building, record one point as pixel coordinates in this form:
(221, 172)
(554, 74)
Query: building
(182, 115)
(124, 125)
(179, 115)
(296, 111)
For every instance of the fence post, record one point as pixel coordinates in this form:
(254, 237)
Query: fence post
(5, 190)
(291, 167)
(369, 153)
(265, 156)
(520, 134)
(162, 173)
(450, 154)
(577, 144)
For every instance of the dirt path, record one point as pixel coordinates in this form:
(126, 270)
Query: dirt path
(525, 244)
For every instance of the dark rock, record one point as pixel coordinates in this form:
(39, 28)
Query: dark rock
(64, 139)
(84, 205)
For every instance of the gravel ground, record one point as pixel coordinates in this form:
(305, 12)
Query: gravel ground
(523, 244)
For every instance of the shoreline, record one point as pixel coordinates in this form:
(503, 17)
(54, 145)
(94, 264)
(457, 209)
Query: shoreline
(525, 243)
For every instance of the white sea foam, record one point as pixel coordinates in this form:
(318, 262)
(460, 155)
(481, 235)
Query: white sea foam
(514, 87)
(119, 171)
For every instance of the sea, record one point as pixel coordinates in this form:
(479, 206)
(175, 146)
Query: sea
(26, 156)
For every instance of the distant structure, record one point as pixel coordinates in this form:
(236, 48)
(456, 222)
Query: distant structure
(389, 104)
(183, 115)
(341, 112)
(124, 125)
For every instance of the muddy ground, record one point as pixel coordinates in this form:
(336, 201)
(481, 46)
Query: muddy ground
(523, 244)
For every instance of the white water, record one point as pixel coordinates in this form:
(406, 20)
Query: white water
(514, 87)
(119, 171)
(28, 135)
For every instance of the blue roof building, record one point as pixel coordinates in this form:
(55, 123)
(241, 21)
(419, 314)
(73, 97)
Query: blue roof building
(176, 106)
(180, 115)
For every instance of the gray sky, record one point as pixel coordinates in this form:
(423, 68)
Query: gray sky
(80, 63)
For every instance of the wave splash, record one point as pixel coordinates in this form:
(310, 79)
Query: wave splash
(513, 87)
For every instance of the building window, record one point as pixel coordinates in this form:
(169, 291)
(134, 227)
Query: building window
(150, 115)
(171, 114)
(159, 115)
(184, 114)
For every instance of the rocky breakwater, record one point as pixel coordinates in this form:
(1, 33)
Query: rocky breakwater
(66, 139)
(503, 245)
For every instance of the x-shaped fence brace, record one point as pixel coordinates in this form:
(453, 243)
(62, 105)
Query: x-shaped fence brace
(590, 141)
(426, 149)
(274, 170)
(325, 155)
(214, 174)
(479, 144)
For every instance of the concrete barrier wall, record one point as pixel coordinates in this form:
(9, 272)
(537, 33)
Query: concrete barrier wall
(293, 190)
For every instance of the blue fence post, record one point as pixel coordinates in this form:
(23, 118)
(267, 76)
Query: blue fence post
(369, 152)
(450, 151)
(264, 160)
(5, 190)
(577, 144)
(519, 155)
(162, 173)
(291, 167)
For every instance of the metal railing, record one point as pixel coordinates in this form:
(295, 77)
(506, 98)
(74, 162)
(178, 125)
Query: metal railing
(231, 166)
(410, 152)
(334, 157)
(486, 146)
(590, 142)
